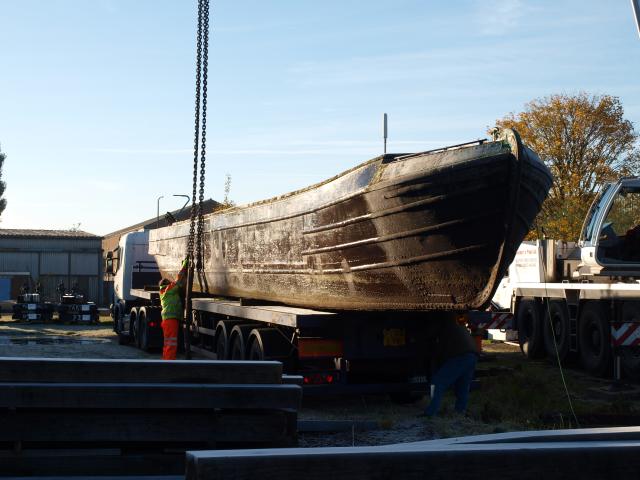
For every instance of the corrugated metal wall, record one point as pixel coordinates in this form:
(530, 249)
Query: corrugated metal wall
(84, 264)
(51, 261)
(18, 262)
(54, 263)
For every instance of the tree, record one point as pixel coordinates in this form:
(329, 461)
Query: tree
(3, 185)
(227, 202)
(585, 141)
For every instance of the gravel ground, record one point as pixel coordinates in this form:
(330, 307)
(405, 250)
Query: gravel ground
(377, 420)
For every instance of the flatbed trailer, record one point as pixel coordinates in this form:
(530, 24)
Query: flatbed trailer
(336, 351)
(340, 352)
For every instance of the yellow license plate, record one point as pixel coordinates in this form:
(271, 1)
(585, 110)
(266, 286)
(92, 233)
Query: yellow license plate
(394, 337)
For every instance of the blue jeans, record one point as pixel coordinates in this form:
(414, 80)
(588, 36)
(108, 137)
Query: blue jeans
(457, 371)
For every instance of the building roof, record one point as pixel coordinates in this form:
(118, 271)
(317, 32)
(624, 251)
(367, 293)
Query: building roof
(27, 233)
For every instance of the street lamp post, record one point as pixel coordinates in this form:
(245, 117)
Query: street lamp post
(183, 196)
(158, 211)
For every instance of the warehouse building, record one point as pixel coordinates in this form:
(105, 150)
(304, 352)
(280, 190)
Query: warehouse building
(50, 258)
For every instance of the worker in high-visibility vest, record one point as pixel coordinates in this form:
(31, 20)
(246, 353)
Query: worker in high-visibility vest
(171, 294)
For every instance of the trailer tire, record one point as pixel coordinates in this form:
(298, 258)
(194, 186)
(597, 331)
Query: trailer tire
(268, 344)
(594, 336)
(238, 341)
(630, 356)
(223, 333)
(556, 314)
(256, 350)
(530, 332)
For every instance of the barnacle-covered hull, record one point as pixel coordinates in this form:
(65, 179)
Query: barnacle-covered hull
(434, 230)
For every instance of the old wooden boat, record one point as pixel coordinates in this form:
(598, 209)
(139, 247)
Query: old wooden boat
(429, 230)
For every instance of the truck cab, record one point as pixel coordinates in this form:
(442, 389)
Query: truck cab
(610, 237)
(132, 268)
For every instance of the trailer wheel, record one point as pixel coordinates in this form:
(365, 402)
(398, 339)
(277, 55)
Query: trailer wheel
(256, 350)
(530, 332)
(630, 356)
(239, 340)
(268, 344)
(556, 315)
(223, 333)
(595, 339)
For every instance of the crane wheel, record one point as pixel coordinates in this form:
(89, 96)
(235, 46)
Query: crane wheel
(530, 331)
(556, 314)
(594, 336)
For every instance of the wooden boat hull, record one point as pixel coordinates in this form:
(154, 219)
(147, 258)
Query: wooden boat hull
(434, 230)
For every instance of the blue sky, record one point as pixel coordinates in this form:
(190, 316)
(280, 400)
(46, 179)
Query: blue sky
(96, 97)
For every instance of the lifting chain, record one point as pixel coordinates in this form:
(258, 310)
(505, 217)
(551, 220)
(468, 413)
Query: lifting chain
(196, 227)
(203, 144)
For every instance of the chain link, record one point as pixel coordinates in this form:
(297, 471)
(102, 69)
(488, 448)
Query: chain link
(203, 137)
(194, 210)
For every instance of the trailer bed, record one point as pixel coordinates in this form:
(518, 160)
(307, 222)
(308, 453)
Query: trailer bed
(273, 314)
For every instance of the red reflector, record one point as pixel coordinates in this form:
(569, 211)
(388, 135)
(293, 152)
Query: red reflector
(318, 379)
(153, 324)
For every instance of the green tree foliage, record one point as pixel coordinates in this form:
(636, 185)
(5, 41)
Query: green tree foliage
(585, 141)
(3, 185)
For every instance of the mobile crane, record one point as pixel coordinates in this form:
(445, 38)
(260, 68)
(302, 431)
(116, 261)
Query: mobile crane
(584, 297)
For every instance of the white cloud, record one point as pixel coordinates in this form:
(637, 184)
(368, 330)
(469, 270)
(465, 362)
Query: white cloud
(498, 17)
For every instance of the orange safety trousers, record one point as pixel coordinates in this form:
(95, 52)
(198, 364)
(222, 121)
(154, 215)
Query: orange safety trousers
(170, 333)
